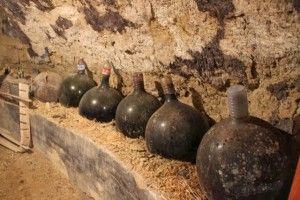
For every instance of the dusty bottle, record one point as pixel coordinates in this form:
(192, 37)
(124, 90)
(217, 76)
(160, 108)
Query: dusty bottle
(134, 111)
(101, 102)
(175, 129)
(243, 157)
(73, 87)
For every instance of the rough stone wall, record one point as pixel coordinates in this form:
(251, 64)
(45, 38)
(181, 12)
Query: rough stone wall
(207, 45)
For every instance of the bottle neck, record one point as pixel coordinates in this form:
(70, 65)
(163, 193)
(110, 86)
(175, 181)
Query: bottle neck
(105, 81)
(169, 90)
(170, 97)
(81, 72)
(138, 86)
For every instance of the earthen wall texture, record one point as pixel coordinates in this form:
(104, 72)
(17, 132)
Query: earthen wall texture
(206, 45)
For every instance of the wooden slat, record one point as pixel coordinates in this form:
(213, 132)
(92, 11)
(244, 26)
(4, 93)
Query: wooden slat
(6, 134)
(24, 116)
(16, 97)
(24, 126)
(4, 142)
(23, 87)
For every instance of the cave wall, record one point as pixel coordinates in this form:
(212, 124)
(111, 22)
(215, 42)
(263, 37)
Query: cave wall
(206, 45)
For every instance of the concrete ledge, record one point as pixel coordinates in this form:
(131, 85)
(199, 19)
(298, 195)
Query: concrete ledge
(94, 169)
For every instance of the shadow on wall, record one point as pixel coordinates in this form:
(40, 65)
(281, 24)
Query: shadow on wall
(111, 20)
(211, 58)
(13, 11)
(60, 26)
(216, 8)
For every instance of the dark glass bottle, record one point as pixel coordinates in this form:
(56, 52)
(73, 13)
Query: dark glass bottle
(175, 130)
(134, 111)
(243, 157)
(73, 87)
(101, 102)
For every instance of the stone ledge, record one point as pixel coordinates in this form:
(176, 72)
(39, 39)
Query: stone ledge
(91, 167)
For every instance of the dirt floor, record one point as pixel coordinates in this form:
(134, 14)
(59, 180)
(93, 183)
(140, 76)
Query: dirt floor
(31, 177)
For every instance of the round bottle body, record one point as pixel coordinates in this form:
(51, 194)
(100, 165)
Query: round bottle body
(100, 103)
(73, 88)
(175, 131)
(244, 159)
(134, 111)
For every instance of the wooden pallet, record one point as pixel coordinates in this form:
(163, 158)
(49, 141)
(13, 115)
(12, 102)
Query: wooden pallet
(24, 102)
(7, 141)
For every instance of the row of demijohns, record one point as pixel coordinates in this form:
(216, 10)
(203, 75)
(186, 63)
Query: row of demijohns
(241, 157)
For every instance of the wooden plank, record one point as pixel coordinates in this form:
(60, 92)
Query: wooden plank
(23, 87)
(6, 134)
(16, 97)
(24, 118)
(4, 142)
(24, 126)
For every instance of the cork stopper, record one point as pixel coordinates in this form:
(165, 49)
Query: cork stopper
(81, 65)
(237, 101)
(138, 81)
(168, 85)
(106, 71)
(138, 78)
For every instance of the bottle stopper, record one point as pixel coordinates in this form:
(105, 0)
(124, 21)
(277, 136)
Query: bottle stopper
(138, 77)
(81, 65)
(237, 101)
(106, 71)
